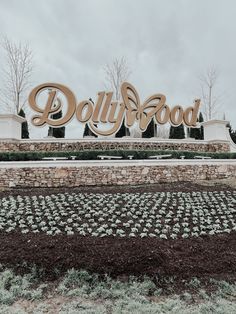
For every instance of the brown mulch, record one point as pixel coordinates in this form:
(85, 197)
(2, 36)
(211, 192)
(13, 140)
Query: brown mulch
(210, 256)
(159, 187)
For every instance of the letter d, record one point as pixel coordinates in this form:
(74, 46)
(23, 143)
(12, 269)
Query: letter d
(48, 109)
(191, 114)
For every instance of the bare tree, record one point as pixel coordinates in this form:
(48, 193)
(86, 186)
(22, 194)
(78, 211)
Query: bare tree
(16, 76)
(210, 99)
(116, 73)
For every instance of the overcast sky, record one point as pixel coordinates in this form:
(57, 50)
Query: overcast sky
(167, 44)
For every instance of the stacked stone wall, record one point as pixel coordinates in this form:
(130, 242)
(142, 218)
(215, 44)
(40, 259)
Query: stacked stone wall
(29, 146)
(87, 175)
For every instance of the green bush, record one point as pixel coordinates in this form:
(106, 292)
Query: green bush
(92, 155)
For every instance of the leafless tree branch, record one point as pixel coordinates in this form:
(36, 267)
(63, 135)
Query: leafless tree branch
(208, 82)
(116, 73)
(16, 75)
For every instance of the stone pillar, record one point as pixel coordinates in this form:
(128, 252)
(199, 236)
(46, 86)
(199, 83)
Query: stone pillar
(216, 130)
(10, 126)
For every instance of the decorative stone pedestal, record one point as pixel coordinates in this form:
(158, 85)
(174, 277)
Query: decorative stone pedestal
(215, 130)
(10, 126)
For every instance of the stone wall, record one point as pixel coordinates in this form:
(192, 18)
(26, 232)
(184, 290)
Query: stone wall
(62, 145)
(119, 174)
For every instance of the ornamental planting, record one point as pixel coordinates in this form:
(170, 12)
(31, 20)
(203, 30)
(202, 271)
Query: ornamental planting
(164, 215)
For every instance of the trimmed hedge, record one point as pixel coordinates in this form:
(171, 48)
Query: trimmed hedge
(92, 155)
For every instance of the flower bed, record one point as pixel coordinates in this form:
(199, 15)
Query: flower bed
(180, 230)
(164, 215)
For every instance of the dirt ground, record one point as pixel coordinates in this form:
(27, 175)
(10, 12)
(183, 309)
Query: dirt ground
(203, 257)
(212, 256)
(213, 185)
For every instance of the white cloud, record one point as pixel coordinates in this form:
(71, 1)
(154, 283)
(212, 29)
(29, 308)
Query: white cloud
(167, 44)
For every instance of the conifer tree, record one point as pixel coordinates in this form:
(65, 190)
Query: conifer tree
(123, 131)
(88, 131)
(177, 132)
(231, 132)
(201, 128)
(197, 133)
(57, 132)
(150, 131)
(233, 136)
(24, 126)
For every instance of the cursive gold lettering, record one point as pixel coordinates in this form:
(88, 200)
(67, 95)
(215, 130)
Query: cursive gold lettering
(191, 114)
(82, 106)
(107, 112)
(106, 107)
(162, 115)
(44, 118)
(98, 107)
(176, 115)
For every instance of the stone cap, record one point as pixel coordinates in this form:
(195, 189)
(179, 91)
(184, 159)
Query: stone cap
(13, 117)
(214, 121)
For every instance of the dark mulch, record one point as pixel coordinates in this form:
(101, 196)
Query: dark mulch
(159, 187)
(211, 257)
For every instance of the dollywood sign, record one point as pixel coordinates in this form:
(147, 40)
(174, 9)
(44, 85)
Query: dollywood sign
(106, 111)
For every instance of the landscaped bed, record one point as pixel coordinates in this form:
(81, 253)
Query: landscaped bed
(174, 230)
(163, 215)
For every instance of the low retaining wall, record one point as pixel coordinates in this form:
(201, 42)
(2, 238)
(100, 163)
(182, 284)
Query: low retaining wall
(78, 173)
(113, 144)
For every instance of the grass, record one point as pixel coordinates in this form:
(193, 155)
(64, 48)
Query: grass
(81, 292)
(13, 287)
